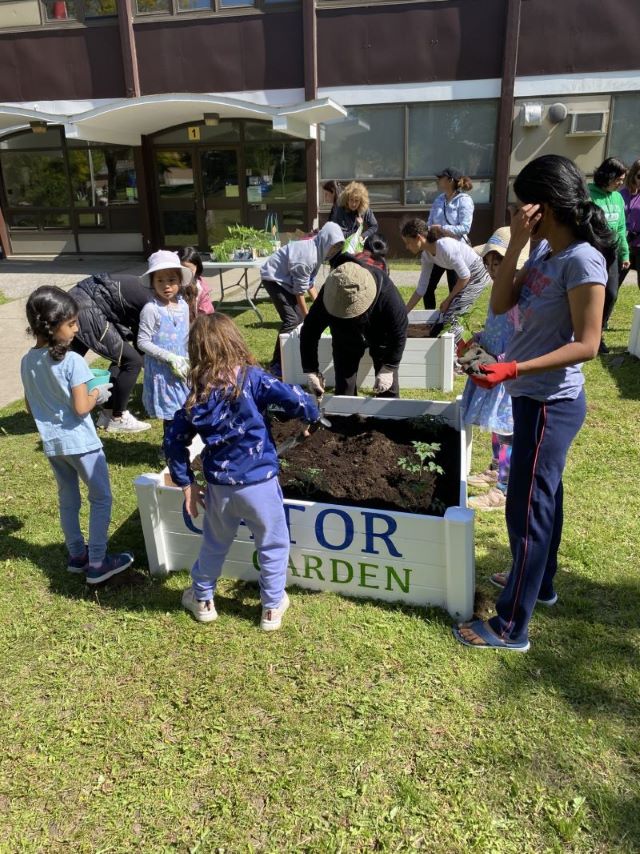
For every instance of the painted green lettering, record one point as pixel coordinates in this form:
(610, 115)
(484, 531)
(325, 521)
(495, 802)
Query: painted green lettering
(391, 573)
(334, 571)
(292, 567)
(364, 575)
(309, 566)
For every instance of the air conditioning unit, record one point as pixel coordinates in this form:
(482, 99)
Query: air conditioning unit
(589, 124)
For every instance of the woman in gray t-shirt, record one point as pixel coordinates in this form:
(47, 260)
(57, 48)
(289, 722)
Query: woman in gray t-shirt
(559, 298)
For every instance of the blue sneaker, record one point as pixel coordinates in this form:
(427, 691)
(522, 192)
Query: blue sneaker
(110, 566)
(79, 565)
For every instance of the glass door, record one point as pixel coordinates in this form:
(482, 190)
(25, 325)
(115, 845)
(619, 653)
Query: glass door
(223, 199)
(178, 197)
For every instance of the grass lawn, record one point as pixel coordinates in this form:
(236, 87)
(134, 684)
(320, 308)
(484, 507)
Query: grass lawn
(359, 726)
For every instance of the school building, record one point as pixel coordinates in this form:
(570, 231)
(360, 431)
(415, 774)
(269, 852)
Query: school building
(126, 125)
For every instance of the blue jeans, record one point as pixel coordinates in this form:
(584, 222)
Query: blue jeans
(542, 435)
(92, 469)
(260, 506)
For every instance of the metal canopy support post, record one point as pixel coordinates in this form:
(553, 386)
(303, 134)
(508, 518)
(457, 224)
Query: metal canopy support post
(310, 43)
(505, 112)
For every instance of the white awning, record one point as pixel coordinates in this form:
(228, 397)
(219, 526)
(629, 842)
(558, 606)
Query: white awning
(125, 121)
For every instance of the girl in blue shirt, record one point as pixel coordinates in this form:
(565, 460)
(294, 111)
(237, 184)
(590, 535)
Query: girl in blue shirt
(226, 406)
(55, 386)
(451, 215)
(558, 298)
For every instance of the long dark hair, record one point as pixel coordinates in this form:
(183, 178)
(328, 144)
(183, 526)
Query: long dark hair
(608, 171)
(416, 227)
(192, 256)
(47, 308)
(557, 182)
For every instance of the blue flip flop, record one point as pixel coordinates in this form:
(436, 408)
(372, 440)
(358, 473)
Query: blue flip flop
(491, 641)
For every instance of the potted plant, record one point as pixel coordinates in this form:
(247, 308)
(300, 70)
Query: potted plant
(243, 244)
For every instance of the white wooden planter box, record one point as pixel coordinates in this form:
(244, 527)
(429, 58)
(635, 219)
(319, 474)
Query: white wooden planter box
(380, 554)
(634, 337)
(426, 362)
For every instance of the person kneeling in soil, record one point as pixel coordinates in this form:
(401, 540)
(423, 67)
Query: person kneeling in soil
(362, 308)
(450, 254)
(226, 407)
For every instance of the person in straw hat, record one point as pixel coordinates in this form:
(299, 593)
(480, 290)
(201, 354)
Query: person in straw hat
(362, 308)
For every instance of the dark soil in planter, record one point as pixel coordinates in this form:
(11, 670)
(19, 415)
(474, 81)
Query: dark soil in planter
(356, 463)
(417, 330)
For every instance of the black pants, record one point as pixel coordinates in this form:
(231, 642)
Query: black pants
(125, 368)
(611, 292)
(288, 310)
(429, 299)
(634, 253)
(346, 361)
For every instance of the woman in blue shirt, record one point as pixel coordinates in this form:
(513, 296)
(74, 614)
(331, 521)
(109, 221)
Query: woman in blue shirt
(558, 298)
(451, 215)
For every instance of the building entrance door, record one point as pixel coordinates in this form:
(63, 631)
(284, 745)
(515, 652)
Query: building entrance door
(199, 194)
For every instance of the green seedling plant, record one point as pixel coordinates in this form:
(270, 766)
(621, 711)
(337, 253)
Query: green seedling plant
(308, 480)
(425, 453)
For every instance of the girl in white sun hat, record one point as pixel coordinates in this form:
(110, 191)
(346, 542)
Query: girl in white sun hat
(164, 336)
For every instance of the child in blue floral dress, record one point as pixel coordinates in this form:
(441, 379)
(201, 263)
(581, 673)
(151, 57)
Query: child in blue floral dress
(490, 409)
(164, 336)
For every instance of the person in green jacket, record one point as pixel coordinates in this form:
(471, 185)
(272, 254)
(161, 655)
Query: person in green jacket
(607, 180)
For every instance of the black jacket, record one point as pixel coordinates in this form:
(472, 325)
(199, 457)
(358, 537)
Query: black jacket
(109, 312)
(347, 221)
(382, 328)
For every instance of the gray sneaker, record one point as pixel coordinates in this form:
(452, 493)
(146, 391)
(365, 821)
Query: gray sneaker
(104, 417)
(127, 423)
(204, 612)
(272, 617)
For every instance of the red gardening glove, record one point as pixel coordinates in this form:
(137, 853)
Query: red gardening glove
(492, 375)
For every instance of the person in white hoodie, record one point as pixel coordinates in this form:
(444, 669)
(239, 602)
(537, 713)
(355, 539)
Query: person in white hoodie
(289, 274)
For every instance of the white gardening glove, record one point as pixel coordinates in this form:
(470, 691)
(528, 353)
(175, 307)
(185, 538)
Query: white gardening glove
(104, 393)
(315, 384)
(384, 380)
(473, 356)
(179, 366)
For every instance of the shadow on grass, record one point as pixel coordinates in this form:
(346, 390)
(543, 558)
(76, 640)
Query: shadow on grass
(18, 424)
(625, 371)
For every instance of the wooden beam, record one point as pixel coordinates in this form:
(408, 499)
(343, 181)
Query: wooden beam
(128, 48)
(505, 111)
(310, 45)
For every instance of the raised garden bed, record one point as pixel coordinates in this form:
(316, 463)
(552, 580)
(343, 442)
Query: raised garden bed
(426, 362)
(371, 550)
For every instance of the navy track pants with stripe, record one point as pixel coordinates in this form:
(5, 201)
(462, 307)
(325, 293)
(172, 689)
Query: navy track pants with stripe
(542, 435)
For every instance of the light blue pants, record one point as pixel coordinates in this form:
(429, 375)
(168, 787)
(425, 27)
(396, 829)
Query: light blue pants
(260, 506)
(92, 469)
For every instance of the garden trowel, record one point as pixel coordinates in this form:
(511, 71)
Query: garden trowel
(292, 441)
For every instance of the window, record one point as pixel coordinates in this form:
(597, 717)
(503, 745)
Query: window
(625, 127)
(179, 7)
(276, 173)
(458, 133)
(397, 150)
(77, 10)
(72, 185)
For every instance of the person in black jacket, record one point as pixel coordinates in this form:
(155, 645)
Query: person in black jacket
(108, 324)
(353, 209)
(362, 308)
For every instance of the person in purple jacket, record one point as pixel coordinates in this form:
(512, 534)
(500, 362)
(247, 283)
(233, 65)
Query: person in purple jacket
(226, 407)
(631, 196)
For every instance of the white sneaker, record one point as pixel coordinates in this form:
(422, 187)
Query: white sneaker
(272, 617)
(204, 612)
(127, 423)
(104, 417)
